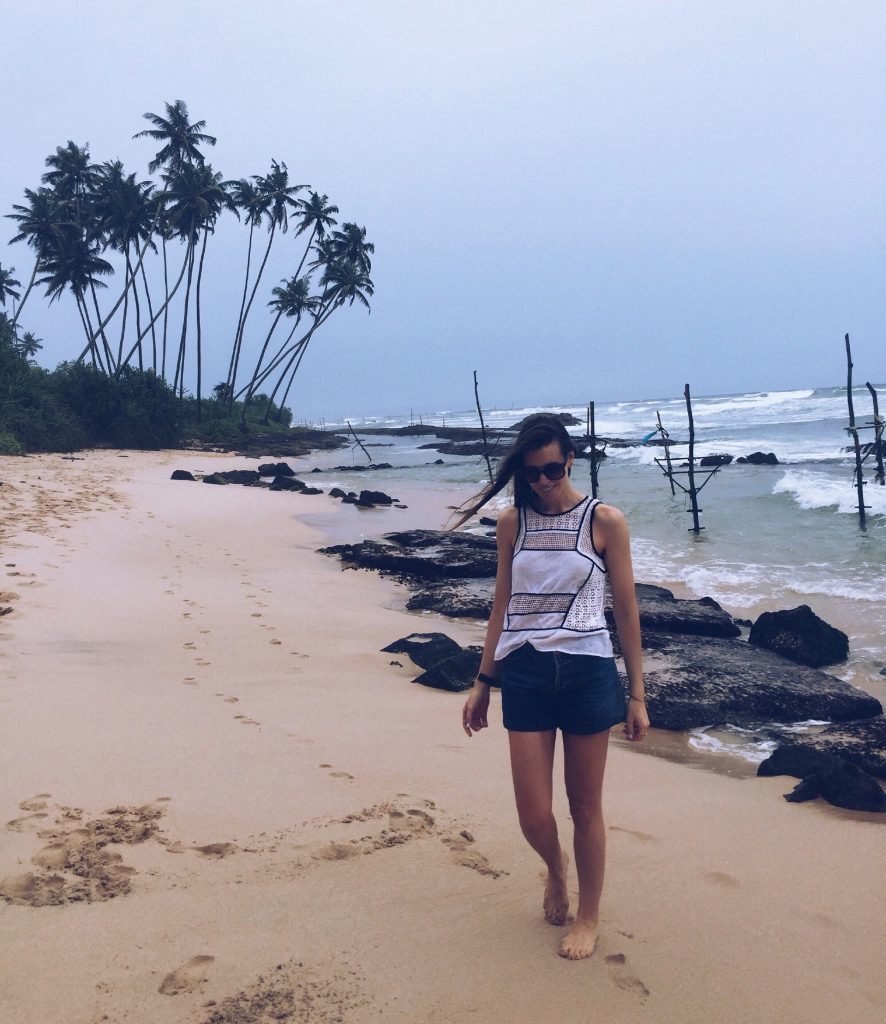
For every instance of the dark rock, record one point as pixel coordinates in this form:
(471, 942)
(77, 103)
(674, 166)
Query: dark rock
(439, 462)
(861, 743)
(357, 468)
(694, 681)
(599, 453)
(661, 612)
(311, 490)
(743, 622)
(376, 497)
(182, 474)
(247, 477)
(456, 673)
(844, 786)
(286, 483)
(423, 555)
(715, 460)
(486, 521)
(468, 599)
(215, 478)
(337, 492)
(791, 759)
(799, 634)
(465, 447)
(276, 469)
(566, 418)
(759, 459)
(425, 649)
(349, 499)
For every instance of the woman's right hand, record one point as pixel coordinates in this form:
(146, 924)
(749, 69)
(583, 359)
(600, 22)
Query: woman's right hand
(474, 714)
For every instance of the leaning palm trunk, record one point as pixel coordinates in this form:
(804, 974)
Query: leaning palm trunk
(251, 389)
(151, 315)
(199, 325)
(234, 348)
(179, 379)
(108, 355)
(162, 309)
(18, 312)
(321, 317)
(141, 256)
(125, 316)
(301, 356)
(138, 312)
(92, 346)
(165, 309)
(239, 342)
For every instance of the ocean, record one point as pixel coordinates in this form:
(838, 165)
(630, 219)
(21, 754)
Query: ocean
(775, 536)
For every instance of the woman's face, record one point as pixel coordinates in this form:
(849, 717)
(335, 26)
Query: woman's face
(550, 455)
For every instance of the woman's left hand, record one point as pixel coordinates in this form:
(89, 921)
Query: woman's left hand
(636, 721)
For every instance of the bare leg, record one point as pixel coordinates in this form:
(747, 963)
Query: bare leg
(585, 761)
(532, 766)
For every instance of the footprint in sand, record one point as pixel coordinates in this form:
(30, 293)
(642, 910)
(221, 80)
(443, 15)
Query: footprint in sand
(190, 645)
(340, 775)
(189, 681)
(29, 820)
(276, 642)
(644, 837)
(246, 720)
(255, 615)
(190, 976)
(216, 850)
(724, 879)
(617, 959)
(35, 803)
(630, 984)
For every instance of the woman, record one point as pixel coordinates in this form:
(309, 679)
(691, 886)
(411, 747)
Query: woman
(548, 647)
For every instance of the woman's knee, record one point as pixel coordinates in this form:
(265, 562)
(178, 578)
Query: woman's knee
(586, 812)
(536, 824)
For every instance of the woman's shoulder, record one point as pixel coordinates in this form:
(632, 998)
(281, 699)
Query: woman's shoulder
(507, 524)
(604, 513)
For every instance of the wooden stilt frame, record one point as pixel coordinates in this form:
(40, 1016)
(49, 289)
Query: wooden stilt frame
(666, 466)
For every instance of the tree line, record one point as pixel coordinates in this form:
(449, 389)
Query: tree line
(86, 217)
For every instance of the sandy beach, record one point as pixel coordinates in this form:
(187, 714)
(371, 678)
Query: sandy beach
(219, 802)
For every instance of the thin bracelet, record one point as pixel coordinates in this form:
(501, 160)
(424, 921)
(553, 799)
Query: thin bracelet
(486, 679)
(642, 700)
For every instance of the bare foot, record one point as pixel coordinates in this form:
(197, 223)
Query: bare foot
(578, 943)
(556, 901)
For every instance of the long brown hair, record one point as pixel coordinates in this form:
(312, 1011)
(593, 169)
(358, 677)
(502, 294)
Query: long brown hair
(537, 431)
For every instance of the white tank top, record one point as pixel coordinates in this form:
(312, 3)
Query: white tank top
(558, 585)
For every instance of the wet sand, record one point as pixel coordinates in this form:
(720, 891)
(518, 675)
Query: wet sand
(219, 802)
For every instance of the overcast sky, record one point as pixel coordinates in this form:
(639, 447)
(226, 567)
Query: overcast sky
(580, 200)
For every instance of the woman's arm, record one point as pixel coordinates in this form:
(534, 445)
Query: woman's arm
(612, 540)
(476, 706)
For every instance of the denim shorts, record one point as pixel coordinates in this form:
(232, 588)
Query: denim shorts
(543, 690)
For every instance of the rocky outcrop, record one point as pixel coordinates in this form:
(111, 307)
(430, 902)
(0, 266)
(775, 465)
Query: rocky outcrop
(862, 743)
(759, 459)
(276, 469)
(661, 612)
(246, 477)
(799, 634)
(823, 774)
(715, 460)
(182, 474)
(412, 556)
(447, 665)
(215, 478)
(693, 681)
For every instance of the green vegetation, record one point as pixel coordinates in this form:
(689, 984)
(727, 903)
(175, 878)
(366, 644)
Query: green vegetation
(88, 225)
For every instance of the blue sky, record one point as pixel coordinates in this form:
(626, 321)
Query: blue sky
(578, 200)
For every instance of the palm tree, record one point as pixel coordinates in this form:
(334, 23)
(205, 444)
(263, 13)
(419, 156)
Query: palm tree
(8, 285)
(251, 200)
(195, 197)
(30, 345)
(71, 177)
(350, 244)
(281, 199)
(124, 216)
(76, 264)
(317, 216)
(181, 138)
(293, 299)
(38, 224)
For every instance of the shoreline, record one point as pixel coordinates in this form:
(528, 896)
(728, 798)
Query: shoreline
(312, 814)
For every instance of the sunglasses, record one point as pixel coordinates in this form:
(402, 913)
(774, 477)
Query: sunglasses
(552, 470)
